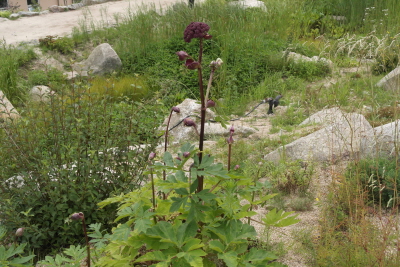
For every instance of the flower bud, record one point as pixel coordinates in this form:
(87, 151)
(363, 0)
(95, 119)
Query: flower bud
(178, 158)
(182, 55)
(230, 140)
(77, 216)
(176, 109)
(186, 154)
(152, 155)
(191, 64)
(236, 167)
(216, 63)
(210, 103)
(19, 232)
(189, 122)
(232, 130)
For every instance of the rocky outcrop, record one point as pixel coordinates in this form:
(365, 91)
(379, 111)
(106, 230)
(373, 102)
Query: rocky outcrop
(341, 138)
(102, 60)
(385, 141)
(301, 58)
(391, 81)
(7, 110)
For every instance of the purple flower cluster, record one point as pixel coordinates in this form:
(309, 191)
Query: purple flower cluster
(196, 30)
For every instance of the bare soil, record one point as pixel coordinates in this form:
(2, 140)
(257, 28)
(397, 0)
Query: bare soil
(28, 29)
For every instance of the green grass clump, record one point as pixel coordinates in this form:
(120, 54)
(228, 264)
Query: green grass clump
(131, 87)
(380, 178)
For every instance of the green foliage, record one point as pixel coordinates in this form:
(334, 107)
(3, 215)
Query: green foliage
(189, 228)
(380, 178)
(5, 14)
(13, 255)
(50, 77)
(72, 153)
(12, 59)
(290, 177)
(134, 88)
(386, 61)
(64, 45)
(71, 257)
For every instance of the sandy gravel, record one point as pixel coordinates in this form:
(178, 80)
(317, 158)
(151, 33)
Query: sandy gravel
(26, 29)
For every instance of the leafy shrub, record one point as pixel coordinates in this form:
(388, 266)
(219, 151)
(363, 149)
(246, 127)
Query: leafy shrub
(51, 76)
(5, 14)
(13, 254)
(290, 177)
(72, 153)
(386, 61)
(64, 45)
(379, 177)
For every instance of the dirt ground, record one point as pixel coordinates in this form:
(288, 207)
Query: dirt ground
(27, 29)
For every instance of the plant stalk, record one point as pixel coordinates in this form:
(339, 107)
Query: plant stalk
(202, 115)
(87, 241)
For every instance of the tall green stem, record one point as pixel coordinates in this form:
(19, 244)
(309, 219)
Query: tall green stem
(202, 115)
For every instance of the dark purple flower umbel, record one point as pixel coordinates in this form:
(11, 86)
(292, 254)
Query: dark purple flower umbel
(182, 55)
(196, 30)
(77, 216)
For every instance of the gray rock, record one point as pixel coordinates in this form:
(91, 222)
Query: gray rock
(102, 60)
(7, 109)
(248, 4)
(3, 19)
(391, 81)
(340, 139)
(44, 12)
(301, 58)
(14, 16)
(54, 9)
(216, 129)
(188, 107)
(63, 8)
(75, 6)
(28, 14)
(385, 141)
(41, 93)
(324, 117)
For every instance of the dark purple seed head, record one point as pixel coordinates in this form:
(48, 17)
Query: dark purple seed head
(191, 64)
(196, 30)
(182, 55)
(77, 216)
(210, 103)
(189, 122)
(176, 109)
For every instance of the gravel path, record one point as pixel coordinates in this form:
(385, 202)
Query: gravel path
(28, 29)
